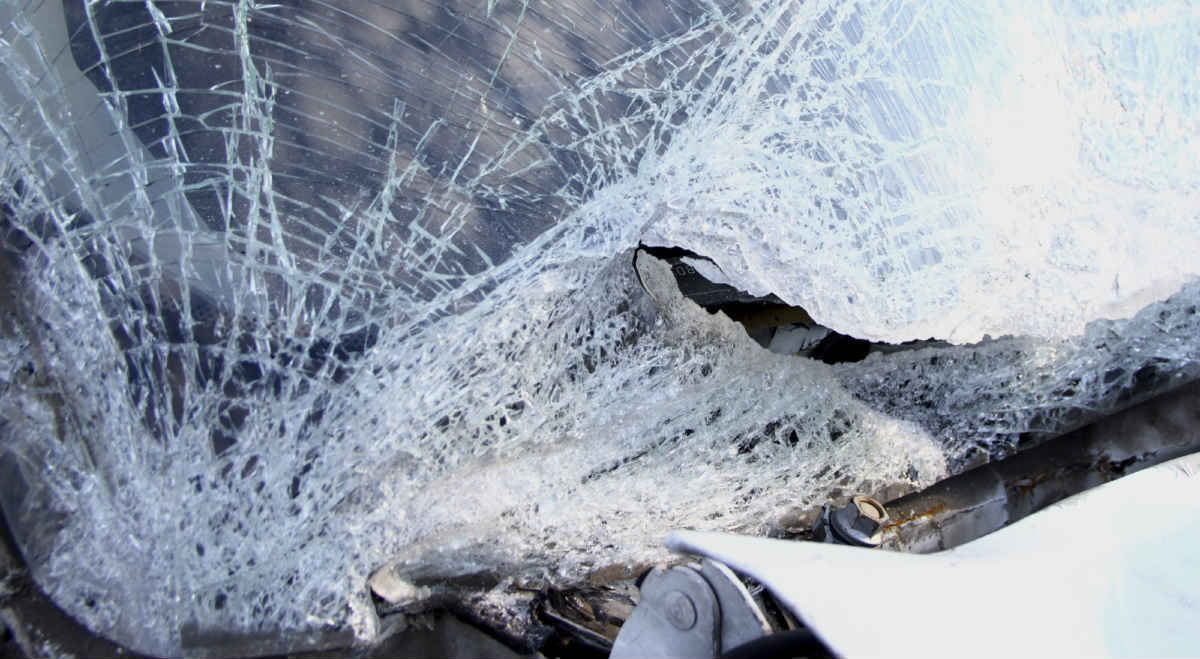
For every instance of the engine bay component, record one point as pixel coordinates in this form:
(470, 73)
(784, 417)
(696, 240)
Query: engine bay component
(860, 522)
(697, 611)
(1113, 572)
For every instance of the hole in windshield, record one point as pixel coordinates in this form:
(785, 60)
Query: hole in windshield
(769, 320)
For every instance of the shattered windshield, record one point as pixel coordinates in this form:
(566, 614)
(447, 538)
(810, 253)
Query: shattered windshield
(295, 291)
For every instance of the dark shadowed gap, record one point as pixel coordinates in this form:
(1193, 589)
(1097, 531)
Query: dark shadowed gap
(770, 321)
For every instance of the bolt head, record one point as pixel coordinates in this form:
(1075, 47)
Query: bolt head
(680, 610)
(860, 522)
(865, 525)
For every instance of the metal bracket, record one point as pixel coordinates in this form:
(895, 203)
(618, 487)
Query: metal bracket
(700, 611)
